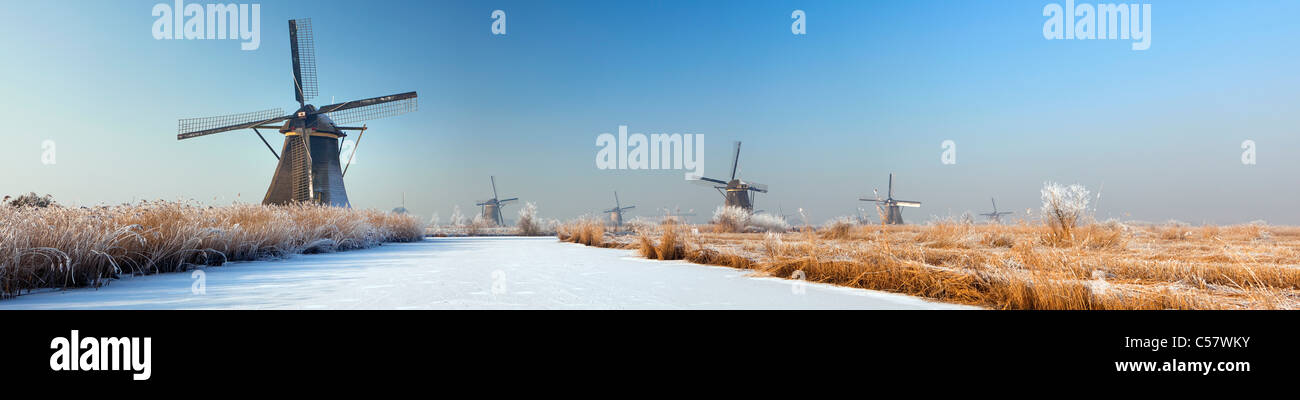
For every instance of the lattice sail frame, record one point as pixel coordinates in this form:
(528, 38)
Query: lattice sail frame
(306, 58)
(374, 111)
(192, 125)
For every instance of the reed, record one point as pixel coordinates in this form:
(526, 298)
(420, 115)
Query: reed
(64, 247)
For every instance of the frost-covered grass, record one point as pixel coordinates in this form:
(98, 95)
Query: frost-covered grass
(61, 247)
(1027, 265)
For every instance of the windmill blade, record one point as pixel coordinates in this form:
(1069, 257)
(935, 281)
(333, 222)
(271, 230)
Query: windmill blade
(708, 181)
(303, 48)
(757, 187)
(905, 203)
(372, 108)
(509, 199)
(891, 185)
(195, 127)
(735, 161)
(628, 208)
(995, 204)
(870, 199)
(494, 187)
(617, 205)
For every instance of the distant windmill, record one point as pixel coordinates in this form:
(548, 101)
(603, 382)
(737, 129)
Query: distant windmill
(995, 216)
(677, 212)
(736, 192)
(889, 207)
(616, 213)
(492, 207)
(402, 208)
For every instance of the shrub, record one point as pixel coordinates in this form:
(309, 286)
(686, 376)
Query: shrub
(31, 200)
(731, 219)
(768, 223)
(1064, 208)
(528, 224)
(838, 228)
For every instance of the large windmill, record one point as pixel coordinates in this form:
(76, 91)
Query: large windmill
(492, 207)
(308, 170)
(995, 216)
(890, 208)
(616, 213)
(736, 191)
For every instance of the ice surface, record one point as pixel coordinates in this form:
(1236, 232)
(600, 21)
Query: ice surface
(469, 273)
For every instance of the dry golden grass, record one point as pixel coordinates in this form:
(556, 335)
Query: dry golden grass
(587, 231)
(58, 247)
(1026, 266)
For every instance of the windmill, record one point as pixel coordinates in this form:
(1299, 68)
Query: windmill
(402, 208)
(995, 216)
(676, 214)
(736, 191)
(308, 169)
(492, 207)
(890, 211)
(616, 213)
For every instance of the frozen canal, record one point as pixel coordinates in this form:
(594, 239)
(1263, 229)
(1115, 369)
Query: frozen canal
(467, 273)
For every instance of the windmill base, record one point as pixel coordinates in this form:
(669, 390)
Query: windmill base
(303, 176)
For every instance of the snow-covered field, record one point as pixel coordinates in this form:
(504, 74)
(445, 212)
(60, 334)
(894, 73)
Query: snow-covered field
(468, 273)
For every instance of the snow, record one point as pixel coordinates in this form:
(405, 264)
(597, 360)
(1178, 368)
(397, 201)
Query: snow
(469, 273)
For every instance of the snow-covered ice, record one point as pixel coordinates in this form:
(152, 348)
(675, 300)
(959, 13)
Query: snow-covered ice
(469, 273)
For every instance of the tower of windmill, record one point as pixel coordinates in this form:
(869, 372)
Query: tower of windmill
(616, 213)
(492, 207)
(308, 169)
(736, 192)
(995, 216)
(889, 207)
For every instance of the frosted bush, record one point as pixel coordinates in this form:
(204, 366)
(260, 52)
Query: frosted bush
(457, 219)
(477, 225)
(1064, 203)
(731, 218)
(1064, 207)
(640, 224)
(528, 225)
(768, 223)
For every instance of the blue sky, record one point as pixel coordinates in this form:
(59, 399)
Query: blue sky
(874, 87)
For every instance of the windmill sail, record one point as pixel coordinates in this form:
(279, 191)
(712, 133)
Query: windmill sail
(194, 127)
(302, 45)
(372, 108)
